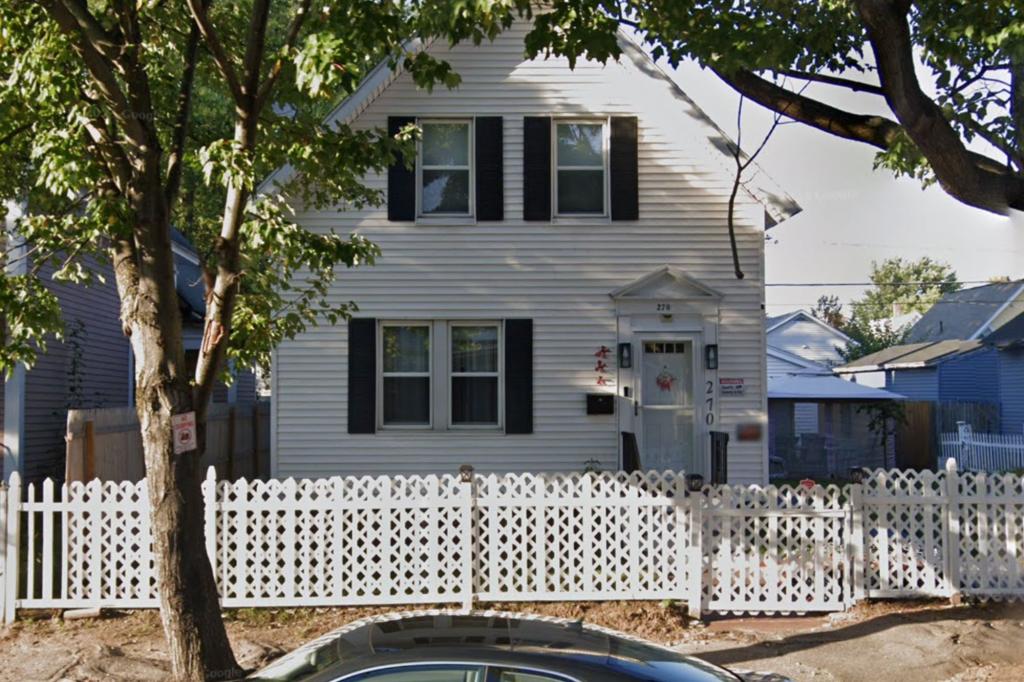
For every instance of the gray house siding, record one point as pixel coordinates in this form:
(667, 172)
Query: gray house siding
(91, 319)
(1011, 375)
(915, 384)
(972, 378)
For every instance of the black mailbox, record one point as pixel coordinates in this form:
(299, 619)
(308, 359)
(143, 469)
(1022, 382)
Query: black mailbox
(600, 403)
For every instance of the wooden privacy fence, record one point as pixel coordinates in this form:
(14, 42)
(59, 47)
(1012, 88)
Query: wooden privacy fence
(391, 540)
(984, 451)
(105, 443)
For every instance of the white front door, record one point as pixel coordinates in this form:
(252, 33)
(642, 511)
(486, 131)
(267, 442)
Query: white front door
(668, 409)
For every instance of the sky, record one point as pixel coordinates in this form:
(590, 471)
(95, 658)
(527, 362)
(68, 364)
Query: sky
(852, 215)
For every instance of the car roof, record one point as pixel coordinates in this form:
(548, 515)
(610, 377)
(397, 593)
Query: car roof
(501, 638)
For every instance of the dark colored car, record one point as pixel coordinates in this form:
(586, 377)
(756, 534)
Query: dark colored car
(483, 647)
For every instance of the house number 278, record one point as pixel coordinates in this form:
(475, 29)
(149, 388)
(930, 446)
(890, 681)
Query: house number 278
(664, 307)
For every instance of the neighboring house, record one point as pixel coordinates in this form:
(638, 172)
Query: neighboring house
(556, 288)
(969, 314)
(964, 350)
(804, 335)
(90, 368)
(818, 422)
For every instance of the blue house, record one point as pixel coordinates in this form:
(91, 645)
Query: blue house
(968, 349)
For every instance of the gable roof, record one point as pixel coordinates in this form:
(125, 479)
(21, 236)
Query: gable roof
(773, 323)
(758, 184)
(810, 366)
(911, 356)
(1010, 334)
(964, 314)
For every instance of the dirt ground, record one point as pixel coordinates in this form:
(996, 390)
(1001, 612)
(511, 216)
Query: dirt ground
(905, 641)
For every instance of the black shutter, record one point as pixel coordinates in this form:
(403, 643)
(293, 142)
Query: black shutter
(401, 180)
(518, 376)
(537, 168)
(362, 375)
(490, 199)
(625, 178)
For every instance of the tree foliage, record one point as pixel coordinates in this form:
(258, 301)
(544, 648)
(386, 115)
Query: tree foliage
(960, 122)
(829, 310)
(898, 287)
(904, 286)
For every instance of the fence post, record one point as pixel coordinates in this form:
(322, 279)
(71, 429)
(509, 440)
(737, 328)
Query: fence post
(11, 546)
(952, 538)
(855, 543)
(210, 517)
(467, 497)
(695, 558)
(3, 548)
(963, 430)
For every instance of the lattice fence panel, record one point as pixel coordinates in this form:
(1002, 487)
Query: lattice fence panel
(108, 546)
(580, 536)
(991, 551)
(775, 549)
(906, 526)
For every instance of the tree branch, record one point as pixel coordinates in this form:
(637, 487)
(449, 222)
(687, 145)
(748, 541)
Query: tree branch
(876, 131)
(292, 37)
(831, 80)
(179, 133)
(253, 61)
(972, 178)
(216, 48)
(99, 66)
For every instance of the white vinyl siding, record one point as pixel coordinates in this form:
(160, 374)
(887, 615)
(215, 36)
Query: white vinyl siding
(809, 340)
(557, 274)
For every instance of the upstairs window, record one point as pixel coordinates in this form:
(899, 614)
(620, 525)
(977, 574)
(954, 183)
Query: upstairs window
(580, 168)
(445, 169)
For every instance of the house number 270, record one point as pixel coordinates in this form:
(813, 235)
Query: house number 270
(664, 307)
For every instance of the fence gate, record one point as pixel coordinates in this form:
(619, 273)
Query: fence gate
(776, 549)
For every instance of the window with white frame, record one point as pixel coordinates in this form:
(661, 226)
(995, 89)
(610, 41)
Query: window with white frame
(475, 374)
(445, 168)
(440, 374)
(405, 375)
(580, 162)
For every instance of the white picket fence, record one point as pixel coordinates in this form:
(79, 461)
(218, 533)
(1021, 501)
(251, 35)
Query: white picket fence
(408, 540)
(983, 451)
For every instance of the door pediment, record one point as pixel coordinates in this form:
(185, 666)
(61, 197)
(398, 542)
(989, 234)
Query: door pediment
(668, 284)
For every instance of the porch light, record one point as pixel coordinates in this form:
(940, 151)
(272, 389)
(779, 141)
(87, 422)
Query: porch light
(711, 356)
(625, 355)
(694, 483)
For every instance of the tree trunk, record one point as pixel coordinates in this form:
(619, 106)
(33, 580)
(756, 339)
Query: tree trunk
(189, 605)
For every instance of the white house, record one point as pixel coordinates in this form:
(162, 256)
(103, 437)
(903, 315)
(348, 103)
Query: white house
(556, 282)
